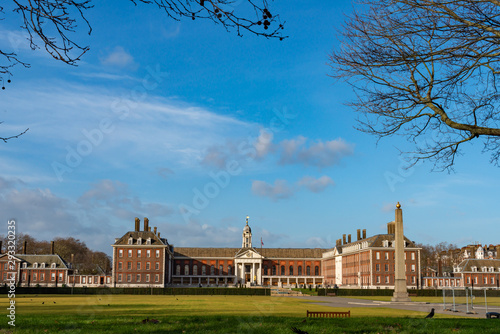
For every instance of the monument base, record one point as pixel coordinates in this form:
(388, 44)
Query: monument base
(400, 292)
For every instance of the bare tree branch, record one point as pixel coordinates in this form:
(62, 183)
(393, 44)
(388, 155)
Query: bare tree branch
(425, 68)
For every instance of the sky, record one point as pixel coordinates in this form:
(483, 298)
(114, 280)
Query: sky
(196, 128)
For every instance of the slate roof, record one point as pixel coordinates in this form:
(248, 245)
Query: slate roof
(466, 265)
(299, 253)
(48, 259)
(155, 241)
(373, 241)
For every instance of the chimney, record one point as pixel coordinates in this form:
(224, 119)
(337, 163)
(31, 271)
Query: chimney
(364, 234)
(359, 234)
(137, 224)
(391, 228)
(146, 224)
(348, 238)
(498, 251)
(25, 246)
(158, 234)
(149, 228)
(343, 237)
(52, 247)
(155, 230)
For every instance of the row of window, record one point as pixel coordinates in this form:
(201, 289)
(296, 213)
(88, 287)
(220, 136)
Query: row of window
(386, 267)
(388, 279)
(35, 277)
(138, 266)
(291, 270)
(203, 270)
(485, 280)
(36, 265)
(386, 255)
(139, 241)
(138, 278)
(139, 253)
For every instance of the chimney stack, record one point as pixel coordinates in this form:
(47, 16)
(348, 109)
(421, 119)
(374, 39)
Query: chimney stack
(391, 228)
(348, 238)
(137, 224)
(25, 246)
(364, 233)
(149, 228)
(52, 247)
(343, 237)
(146, 224)
(498, 251)
(158, 234)
(155, 230)
(359, 234)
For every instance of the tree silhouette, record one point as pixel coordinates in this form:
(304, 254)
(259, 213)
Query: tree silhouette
(425, 70)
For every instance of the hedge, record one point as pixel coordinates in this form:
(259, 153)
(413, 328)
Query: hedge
(138, 291)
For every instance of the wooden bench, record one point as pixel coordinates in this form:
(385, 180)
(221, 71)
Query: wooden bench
(328, 314)
(333, 294)
(412, 295)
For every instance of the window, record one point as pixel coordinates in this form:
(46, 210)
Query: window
(468, 280)
(387, 255)
(195, 270)
(129, 253)
(139, 241)
(486, 280)
(53, 265)
(129, 278)
(290, 271)
(492, 280)
(5, 265)
(413, 279)
(129, 265)
(138, 266)
(316, 271)
(90, 279)
(148, 265)
(186, 269)
(475, 280)
(139, 253)
(157, 266)
(377, 267)
(308, 271)
(212, 270)
(53, 276)
(148, 242)
(229, 270)
(138, 278)
(35, 265)
(203, 270)
(147, 277)
(130, 241)
(42, 265)
(385, 243)
(387, 279)
(412, 267)
(282, 270)
(386, 267)
(34, 277)
(221, 270)
(377, 255)
(274, 270)
(119, 278)
(265, 270)
(157, 278)
(42, 276)
(413, 256)
(24, 276)
(299, 271)
(148, 253)
(178, 269)
(120, 252)
(157, 253)
(25, 265)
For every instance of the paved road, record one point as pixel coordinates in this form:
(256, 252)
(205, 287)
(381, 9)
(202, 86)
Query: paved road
(412, 306)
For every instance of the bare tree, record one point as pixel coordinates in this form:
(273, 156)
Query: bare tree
(425, 70)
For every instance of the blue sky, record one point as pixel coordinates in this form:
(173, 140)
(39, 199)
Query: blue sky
(196, 128)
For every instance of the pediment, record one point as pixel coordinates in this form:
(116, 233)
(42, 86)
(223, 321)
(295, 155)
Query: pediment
(248, 253)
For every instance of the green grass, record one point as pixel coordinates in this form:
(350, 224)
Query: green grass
(216, 314)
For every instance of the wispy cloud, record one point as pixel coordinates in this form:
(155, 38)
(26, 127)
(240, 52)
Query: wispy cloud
(316, 185)
(279, 190)
(118, 57)
(320, 154)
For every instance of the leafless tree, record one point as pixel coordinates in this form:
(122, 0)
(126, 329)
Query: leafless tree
(425, 70)
(53, 24)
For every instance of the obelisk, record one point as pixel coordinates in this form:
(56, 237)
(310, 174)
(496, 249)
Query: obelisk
(400, 292)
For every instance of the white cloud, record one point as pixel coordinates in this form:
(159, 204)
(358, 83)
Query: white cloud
(316, 185)
(118, 57)
(280, 189)
(320, 154)
(263, 144)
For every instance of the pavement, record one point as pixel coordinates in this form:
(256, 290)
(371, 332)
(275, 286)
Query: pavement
(479, 311)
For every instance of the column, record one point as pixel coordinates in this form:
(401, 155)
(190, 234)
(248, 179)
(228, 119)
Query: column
(400, 290)
(253, 273)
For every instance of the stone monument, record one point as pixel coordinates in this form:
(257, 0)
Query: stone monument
(400, 292)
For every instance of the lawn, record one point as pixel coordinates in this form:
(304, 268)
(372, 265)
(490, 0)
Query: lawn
(214, 314)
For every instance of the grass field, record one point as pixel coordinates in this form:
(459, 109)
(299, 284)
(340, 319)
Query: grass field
(478, 300)
(215, 314)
